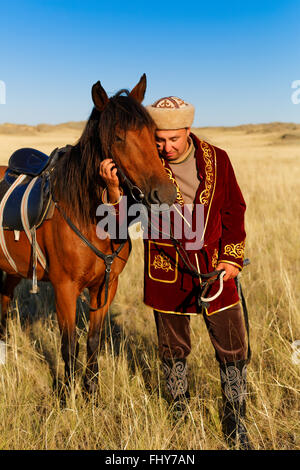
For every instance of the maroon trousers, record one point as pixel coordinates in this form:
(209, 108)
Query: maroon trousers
(226, 329)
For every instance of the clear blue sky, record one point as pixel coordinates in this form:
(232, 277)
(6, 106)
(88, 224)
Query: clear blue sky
(234, 60)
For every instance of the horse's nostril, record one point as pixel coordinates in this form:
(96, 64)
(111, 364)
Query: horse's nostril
(154, 196)
(163, 195)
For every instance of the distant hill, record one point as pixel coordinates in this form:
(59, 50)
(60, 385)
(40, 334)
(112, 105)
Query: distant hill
(24, 129)
(265, 128)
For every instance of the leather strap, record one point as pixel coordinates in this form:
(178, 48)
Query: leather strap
(108, 259)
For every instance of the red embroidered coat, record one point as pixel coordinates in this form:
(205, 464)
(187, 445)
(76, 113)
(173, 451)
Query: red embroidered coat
(168, 286)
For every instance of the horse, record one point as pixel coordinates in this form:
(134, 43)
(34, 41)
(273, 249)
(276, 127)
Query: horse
(120, 127)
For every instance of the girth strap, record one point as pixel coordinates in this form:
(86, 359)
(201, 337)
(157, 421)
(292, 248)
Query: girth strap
(37, 252)
(2, 237)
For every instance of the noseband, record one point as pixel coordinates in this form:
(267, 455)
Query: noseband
(136, 193)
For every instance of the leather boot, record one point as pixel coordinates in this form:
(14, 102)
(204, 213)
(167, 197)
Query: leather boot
(175, 371)
(233, 385)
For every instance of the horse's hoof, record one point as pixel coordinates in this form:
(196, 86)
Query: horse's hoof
(3, 333)
(90, 386)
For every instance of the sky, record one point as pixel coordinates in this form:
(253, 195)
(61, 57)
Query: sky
(234, 60)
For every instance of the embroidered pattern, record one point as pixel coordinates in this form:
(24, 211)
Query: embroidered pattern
(162, 262)
(170, 102)
(214, 260)
(237, 251)
(234, 383)
(209, 174)
(176, 377)
(179, 198)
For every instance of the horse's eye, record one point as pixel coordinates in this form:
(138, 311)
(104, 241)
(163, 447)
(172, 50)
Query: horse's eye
(119, 139)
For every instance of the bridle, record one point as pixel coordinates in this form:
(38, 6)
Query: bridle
(135, 192)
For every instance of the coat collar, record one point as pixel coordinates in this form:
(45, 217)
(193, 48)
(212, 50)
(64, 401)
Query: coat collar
(206, 163)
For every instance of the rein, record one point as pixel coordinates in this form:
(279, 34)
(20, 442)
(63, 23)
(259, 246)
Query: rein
(205, 278)
(139, 196)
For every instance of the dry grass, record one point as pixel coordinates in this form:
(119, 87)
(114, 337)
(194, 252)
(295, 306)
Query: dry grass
(131, 411)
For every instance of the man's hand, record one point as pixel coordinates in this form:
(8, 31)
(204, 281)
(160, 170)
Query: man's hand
(108, 173)
(231, 271)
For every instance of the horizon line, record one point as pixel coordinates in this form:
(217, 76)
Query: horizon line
(192, 127)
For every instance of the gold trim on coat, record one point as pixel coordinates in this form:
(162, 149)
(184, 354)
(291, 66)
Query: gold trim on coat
(221, 309)
(170, 311)
(169, 172)
(207, 195)
(214, 260)
(230, 262)
(208, 176)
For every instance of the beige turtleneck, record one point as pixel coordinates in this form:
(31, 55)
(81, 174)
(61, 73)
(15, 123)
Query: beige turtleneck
(185, 172)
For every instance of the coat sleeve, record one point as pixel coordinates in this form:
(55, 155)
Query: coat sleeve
(232, 217)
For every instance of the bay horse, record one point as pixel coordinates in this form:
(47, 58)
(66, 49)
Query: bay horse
(120, 127)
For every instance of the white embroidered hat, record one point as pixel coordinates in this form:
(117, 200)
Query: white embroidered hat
(171, 113)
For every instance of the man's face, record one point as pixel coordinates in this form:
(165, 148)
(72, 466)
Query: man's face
(172, 144)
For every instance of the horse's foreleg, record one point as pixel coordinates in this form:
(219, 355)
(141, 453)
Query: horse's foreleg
(97, 318)
(7, 291)
(66, 295)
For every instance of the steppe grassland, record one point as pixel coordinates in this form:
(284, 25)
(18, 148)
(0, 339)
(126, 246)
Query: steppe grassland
(132, 412)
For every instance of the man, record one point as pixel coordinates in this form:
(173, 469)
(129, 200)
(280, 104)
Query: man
(202, 174)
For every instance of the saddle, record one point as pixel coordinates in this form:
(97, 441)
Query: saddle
(31, 197)
(26, 201)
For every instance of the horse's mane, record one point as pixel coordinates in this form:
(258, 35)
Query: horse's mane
(77, 182)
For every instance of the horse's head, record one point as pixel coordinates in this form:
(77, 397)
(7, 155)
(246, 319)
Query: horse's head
(126, 133)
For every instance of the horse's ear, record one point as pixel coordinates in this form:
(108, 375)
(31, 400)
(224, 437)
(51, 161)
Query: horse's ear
(138, 91)
(99, 96)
